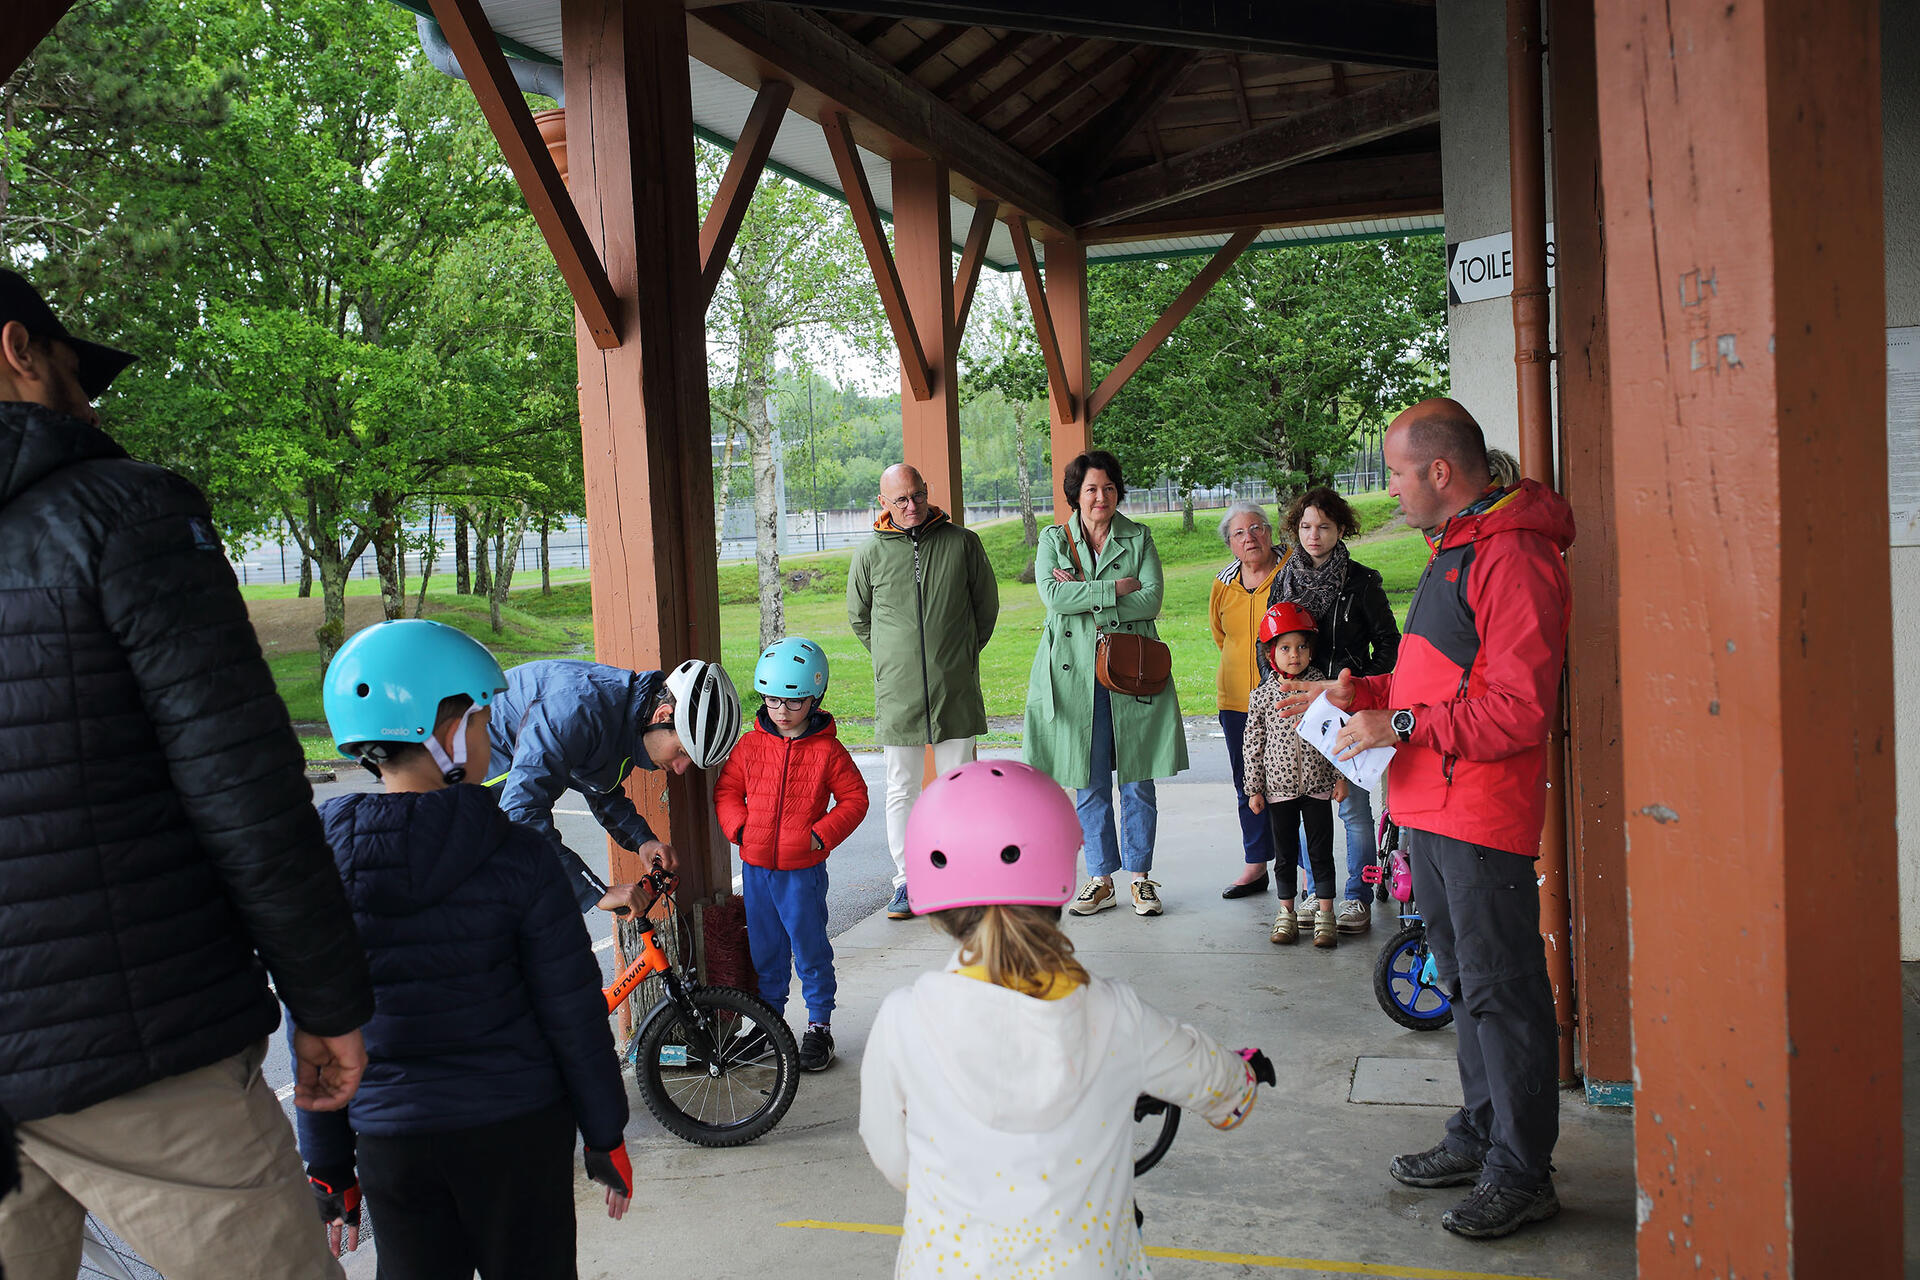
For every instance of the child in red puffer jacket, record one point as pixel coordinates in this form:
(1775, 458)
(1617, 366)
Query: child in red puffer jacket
(772, 800)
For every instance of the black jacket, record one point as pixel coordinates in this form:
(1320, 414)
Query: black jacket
(1359, 633)
(159, 850)
(487, 996)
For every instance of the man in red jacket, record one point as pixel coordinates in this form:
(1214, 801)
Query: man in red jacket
(1469, 710)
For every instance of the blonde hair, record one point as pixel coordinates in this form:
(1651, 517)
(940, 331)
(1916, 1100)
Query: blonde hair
(1503, 467)
(1020, 947)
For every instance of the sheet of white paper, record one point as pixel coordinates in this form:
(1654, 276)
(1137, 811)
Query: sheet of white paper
(1322, 724)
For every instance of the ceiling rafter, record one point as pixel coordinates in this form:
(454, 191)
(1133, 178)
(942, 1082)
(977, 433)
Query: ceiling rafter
(1080, 81)
(1047, 60)
(979, 68)
(932, 47)
(1116, 123)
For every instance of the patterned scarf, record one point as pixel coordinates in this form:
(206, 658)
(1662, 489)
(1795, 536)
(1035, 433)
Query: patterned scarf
(1314, 590)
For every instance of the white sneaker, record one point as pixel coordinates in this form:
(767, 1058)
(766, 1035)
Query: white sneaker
(1097, 896)
(1146, 897)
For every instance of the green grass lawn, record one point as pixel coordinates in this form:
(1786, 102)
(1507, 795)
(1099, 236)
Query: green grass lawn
(561, 624)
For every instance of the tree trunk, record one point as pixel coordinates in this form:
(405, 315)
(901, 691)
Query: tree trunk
(506, 552)
(546, 565)
(1186, 509)
(306, 578)
(427, 559)
(726, 491)
(1029, 523)
(462, 573)
(766, 513)
(387, 555)
(482, 572)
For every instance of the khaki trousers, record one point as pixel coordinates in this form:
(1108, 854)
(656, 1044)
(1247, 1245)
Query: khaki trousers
(197, 1172)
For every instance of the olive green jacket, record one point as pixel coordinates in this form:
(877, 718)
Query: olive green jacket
(924, 603)
(1149, 739)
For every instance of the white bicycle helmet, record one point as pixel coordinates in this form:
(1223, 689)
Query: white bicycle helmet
(706, 711)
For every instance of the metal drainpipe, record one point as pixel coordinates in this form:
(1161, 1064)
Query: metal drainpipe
(532, 77)
(1526, 133)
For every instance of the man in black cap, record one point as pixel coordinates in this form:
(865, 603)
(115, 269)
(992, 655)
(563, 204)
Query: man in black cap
(159, 858)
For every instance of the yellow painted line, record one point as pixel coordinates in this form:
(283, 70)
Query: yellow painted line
(1229, 1259)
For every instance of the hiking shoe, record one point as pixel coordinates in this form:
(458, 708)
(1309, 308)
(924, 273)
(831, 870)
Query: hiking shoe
(1286, 927)
(1491, 1211)
(1355, 916)
(1097, 896)
(1326, 929)
(816, 1047)
(899, 909)
(1435, 1167)
(1146, 897)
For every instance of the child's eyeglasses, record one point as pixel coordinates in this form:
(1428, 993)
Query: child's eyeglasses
(786, 704)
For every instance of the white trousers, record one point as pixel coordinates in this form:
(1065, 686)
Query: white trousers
(906, 769)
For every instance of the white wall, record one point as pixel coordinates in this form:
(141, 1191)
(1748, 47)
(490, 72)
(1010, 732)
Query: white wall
(1473, 149)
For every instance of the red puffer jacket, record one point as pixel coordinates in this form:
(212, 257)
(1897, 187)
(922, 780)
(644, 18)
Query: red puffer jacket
(773, 791)
(1479, 667)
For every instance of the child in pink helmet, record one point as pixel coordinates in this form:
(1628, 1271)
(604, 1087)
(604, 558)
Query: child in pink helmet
(998, 1094)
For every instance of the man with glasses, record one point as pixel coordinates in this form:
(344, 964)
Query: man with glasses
(922, 597)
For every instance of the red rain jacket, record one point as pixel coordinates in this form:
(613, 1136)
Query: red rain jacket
(772, 795)
(1479, 668)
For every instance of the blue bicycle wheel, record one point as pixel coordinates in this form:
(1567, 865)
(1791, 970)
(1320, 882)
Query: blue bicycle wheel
(1397, 986)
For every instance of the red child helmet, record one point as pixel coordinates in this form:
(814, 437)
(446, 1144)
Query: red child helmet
(1279, 620)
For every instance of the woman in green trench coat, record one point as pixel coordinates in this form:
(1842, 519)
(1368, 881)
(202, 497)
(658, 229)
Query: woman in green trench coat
(1076, 729)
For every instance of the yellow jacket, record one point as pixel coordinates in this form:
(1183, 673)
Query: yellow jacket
(1234, 613)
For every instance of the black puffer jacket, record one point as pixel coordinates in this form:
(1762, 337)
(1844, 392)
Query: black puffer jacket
(158, 840)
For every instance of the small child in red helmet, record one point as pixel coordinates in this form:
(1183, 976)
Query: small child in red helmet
(998, 1094)
(1288, 778)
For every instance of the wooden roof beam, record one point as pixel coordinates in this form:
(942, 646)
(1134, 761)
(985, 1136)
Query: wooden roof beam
(1048, 337)
(1116, 123)
(983, 66)
(1335, 190)
(971, 259)
(1081, 80)
(30, 22)
(931, 48)
(465, 25)
(737, 185)
(870, 31)
(1403, 103)
(1042, 63)
(1169, 320)
(1381, 33)
(873, 238)
(833, 73)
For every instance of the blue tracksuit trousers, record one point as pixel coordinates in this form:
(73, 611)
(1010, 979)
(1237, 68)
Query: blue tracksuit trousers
(787, 917)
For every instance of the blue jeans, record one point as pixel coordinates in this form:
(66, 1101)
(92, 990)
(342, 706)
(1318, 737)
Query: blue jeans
(1363, 845)
(787, 918)
(1139, 809)
(1256, 842)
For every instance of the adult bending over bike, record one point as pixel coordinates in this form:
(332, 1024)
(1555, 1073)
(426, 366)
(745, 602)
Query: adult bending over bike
(585, 726)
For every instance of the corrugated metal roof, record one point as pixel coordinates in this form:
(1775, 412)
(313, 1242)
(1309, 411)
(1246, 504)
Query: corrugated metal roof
(721, 104)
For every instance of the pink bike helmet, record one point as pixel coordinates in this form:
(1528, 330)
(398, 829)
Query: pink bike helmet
(991, 833)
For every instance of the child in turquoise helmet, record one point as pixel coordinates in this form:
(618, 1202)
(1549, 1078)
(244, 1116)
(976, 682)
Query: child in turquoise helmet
(787, 796)
(473, 1102)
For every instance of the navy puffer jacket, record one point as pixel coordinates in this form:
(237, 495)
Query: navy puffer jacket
(487, 999)
(157, 835)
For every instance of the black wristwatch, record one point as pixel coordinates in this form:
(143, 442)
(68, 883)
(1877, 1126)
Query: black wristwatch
(1403, 725)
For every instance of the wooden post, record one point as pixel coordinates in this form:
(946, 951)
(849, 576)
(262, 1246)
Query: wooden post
(1596, 852)
(1072, 429)
(923, 255)
(1740, 149)
(643, 405)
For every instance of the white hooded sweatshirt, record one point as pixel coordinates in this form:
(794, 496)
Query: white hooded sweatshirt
(1008, 1121)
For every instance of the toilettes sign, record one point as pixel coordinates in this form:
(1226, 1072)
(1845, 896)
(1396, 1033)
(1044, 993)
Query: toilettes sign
(1483, 268)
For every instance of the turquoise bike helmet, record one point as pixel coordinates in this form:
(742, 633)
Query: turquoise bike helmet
(792, 668)
(385, 684)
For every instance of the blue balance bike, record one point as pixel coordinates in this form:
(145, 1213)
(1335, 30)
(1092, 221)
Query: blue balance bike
(1404, 981)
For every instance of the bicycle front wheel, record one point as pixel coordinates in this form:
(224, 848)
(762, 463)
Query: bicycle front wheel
(718, 1068)
(1397, 985)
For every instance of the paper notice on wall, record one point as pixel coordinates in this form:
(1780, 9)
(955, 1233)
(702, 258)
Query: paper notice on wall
(1903, 433)
(1322, 724)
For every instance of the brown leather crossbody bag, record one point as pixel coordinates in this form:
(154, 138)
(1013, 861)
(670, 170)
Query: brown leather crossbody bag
(1138, 666)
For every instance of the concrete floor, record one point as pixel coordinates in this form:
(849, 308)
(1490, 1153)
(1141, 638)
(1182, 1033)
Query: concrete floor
(1301, 1190)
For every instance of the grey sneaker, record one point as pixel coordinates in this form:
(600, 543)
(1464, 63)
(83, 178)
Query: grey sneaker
(1146, 897)
(1355, 916)
(899, 909)
(1435, 1167)
(1490, 1211)
(1097, 896)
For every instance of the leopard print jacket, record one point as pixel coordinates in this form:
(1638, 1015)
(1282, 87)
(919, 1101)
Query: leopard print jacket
(1280, 764)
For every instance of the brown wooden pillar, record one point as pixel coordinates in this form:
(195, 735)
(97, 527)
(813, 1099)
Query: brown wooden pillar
(1072, 416)
(923, 253)
(1597, 850)
(1740, 147)
(643, 404)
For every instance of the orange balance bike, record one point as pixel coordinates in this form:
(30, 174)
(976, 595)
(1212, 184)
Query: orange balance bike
(716, 1066)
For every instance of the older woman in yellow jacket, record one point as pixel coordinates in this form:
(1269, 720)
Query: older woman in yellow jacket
(1235, 607)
